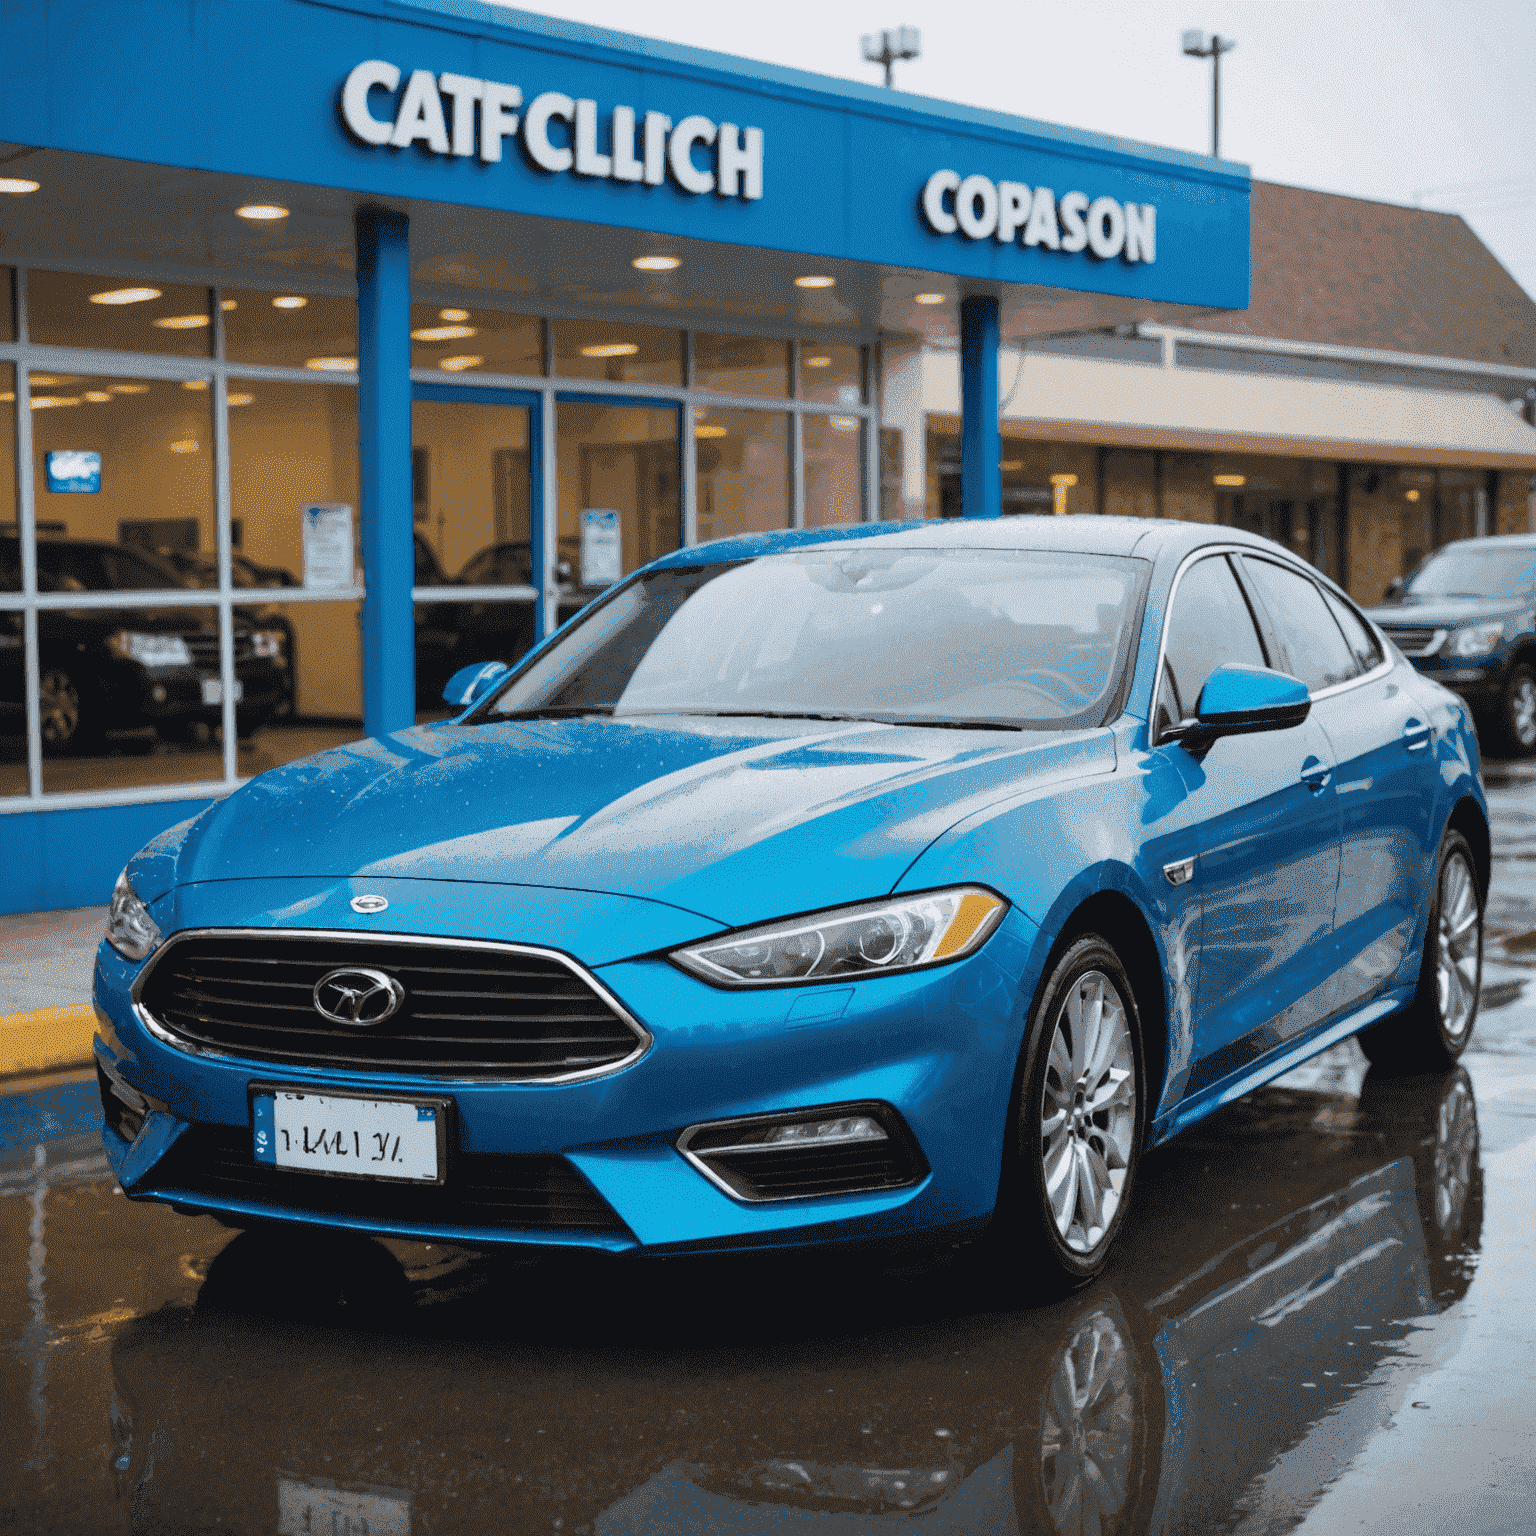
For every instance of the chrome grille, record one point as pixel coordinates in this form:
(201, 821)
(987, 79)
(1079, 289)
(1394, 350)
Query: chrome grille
(205, 649)
(471, 1009)
(1414, 639)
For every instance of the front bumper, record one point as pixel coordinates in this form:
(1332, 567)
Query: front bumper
(938, 1047)
(1477, 679)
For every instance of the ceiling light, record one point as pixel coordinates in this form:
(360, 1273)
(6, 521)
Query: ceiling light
(844, 423)
(1229, 479)
(7, 396)
(928, 298)
(195, 384)
(47, 402)
(611, 349)
(709, 431)
(289, 301)
(227, 304)
(125, 296)
(1412, 495)
(260, 213)
(459, 364)
(444, 333)
(815, 281)
(97, 397)
(18, 185)
(129, 389)
(241, 399)
(1063, 479)
(1011, 464)
(655, 263)
(180, 322)
(457, 316)
(819, 361)
(50, 380)
(332, 364)
(186, 445)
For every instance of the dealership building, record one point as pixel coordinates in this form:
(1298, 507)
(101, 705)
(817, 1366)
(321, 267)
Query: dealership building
(343, 342)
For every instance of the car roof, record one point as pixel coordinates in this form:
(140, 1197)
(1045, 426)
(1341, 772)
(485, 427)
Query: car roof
(1145, 538)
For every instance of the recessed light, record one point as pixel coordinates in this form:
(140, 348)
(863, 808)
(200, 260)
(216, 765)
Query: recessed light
(261, 213)
(656, 263)
(710, 431)
(611, 349)
(186, 445)
(180, 322)
(240, 399)
(52, 380)
(1411, 495)
(48, 402)
(332, 364)
(125, 296)
(1011, 464)
(844, 423)
(195, 384)
(289, 301)
(444, 333)
(457, 316)
(129, 389)
(19, 186)
(819, 361)
(459, 364)
(97, 397)
(6, 396)
(1230, 479)
(815, 281)
(228, 304)
(928, 298)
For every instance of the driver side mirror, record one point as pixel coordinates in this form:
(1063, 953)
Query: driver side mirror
(1241, 701)
(472, 683)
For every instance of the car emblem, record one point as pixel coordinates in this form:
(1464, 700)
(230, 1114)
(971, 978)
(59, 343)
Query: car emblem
(369, 904)
(357, 995)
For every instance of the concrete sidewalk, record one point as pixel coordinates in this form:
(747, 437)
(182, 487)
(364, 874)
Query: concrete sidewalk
(46, 961)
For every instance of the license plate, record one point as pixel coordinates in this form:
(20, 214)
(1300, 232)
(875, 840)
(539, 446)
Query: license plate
(213, 690)
(347, 1135)
(303, 1509)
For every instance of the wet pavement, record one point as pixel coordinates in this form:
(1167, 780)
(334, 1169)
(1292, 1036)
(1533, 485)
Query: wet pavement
(1319, 1317)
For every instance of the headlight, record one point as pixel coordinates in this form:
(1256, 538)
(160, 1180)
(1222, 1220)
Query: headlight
(131, 931)
(1477, 640)
(151, 650)
(871, 939)
(268, 643)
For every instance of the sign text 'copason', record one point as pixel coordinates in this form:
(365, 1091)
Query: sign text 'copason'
(1009, 211)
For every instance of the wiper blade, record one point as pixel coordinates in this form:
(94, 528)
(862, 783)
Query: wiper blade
(551, 712)
(746, 714)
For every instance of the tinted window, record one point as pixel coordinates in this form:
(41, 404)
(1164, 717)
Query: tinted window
(1312, 646)
(1362, 643)
(864, 632)
(1210, 627)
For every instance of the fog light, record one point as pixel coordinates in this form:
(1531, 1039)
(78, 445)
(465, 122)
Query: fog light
(823, 1132)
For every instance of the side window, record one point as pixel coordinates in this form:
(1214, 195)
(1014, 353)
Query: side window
(1362, 643)
(1312, 645)
(1209, 628)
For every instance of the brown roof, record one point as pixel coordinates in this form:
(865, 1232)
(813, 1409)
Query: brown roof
(1363, 274)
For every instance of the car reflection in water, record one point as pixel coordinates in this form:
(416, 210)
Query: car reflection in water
(1229, 1363)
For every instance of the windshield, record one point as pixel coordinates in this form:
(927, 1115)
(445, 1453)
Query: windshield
(1460, 571)
(950, 637)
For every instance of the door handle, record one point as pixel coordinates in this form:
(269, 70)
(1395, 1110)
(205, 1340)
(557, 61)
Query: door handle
(1316, 775)
(1416, 735)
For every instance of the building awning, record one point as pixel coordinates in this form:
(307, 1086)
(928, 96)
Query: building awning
(1130, 405)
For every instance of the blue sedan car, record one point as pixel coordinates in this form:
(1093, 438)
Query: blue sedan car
(873, 883)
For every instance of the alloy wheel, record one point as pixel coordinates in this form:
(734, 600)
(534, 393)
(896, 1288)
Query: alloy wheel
(1455, 1155)
(1522, 710)
(1088, 1111)
(58, 703)
(1459, 947)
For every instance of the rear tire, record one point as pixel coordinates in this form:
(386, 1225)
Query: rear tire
(1432, 1032)
(1517, 711)
(68, 713)
(1077, 1126)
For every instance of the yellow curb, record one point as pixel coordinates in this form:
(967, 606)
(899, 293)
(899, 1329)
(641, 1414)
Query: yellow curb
(47, 1039)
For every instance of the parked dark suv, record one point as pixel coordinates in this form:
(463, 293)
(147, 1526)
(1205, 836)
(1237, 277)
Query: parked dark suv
(106, 669)
(1467, 618)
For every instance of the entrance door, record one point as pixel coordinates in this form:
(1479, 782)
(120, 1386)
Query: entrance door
(475, 494)
(620, 501)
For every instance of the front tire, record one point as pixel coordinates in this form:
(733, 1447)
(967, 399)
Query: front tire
(1432, 1032)
(1517, 710)
(1078, 1122)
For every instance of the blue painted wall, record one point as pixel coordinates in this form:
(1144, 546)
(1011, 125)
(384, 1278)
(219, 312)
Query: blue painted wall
(69, 858)
(251, 88)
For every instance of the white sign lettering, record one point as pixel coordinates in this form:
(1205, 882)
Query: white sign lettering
(1011, 213)
(327, 544)
(701, 155)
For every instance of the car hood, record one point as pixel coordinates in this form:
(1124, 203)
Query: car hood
(735, 820)
(1445, 612)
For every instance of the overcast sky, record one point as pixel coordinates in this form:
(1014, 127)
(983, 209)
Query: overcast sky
(1413, 100)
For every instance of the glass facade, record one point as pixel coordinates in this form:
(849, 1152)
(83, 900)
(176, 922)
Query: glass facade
(742, 461)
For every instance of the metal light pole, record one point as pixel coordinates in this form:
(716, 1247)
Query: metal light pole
(1196, 46)
(886, 47)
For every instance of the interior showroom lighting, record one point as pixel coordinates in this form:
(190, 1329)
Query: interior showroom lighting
(125, 296)
(611, 349)
(815, 280)
(262, 213)
(656, 263)
(289, 301)
(18, 186)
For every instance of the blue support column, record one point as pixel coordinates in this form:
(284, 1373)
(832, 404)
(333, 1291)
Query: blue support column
(981, 441)
(384, 463)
